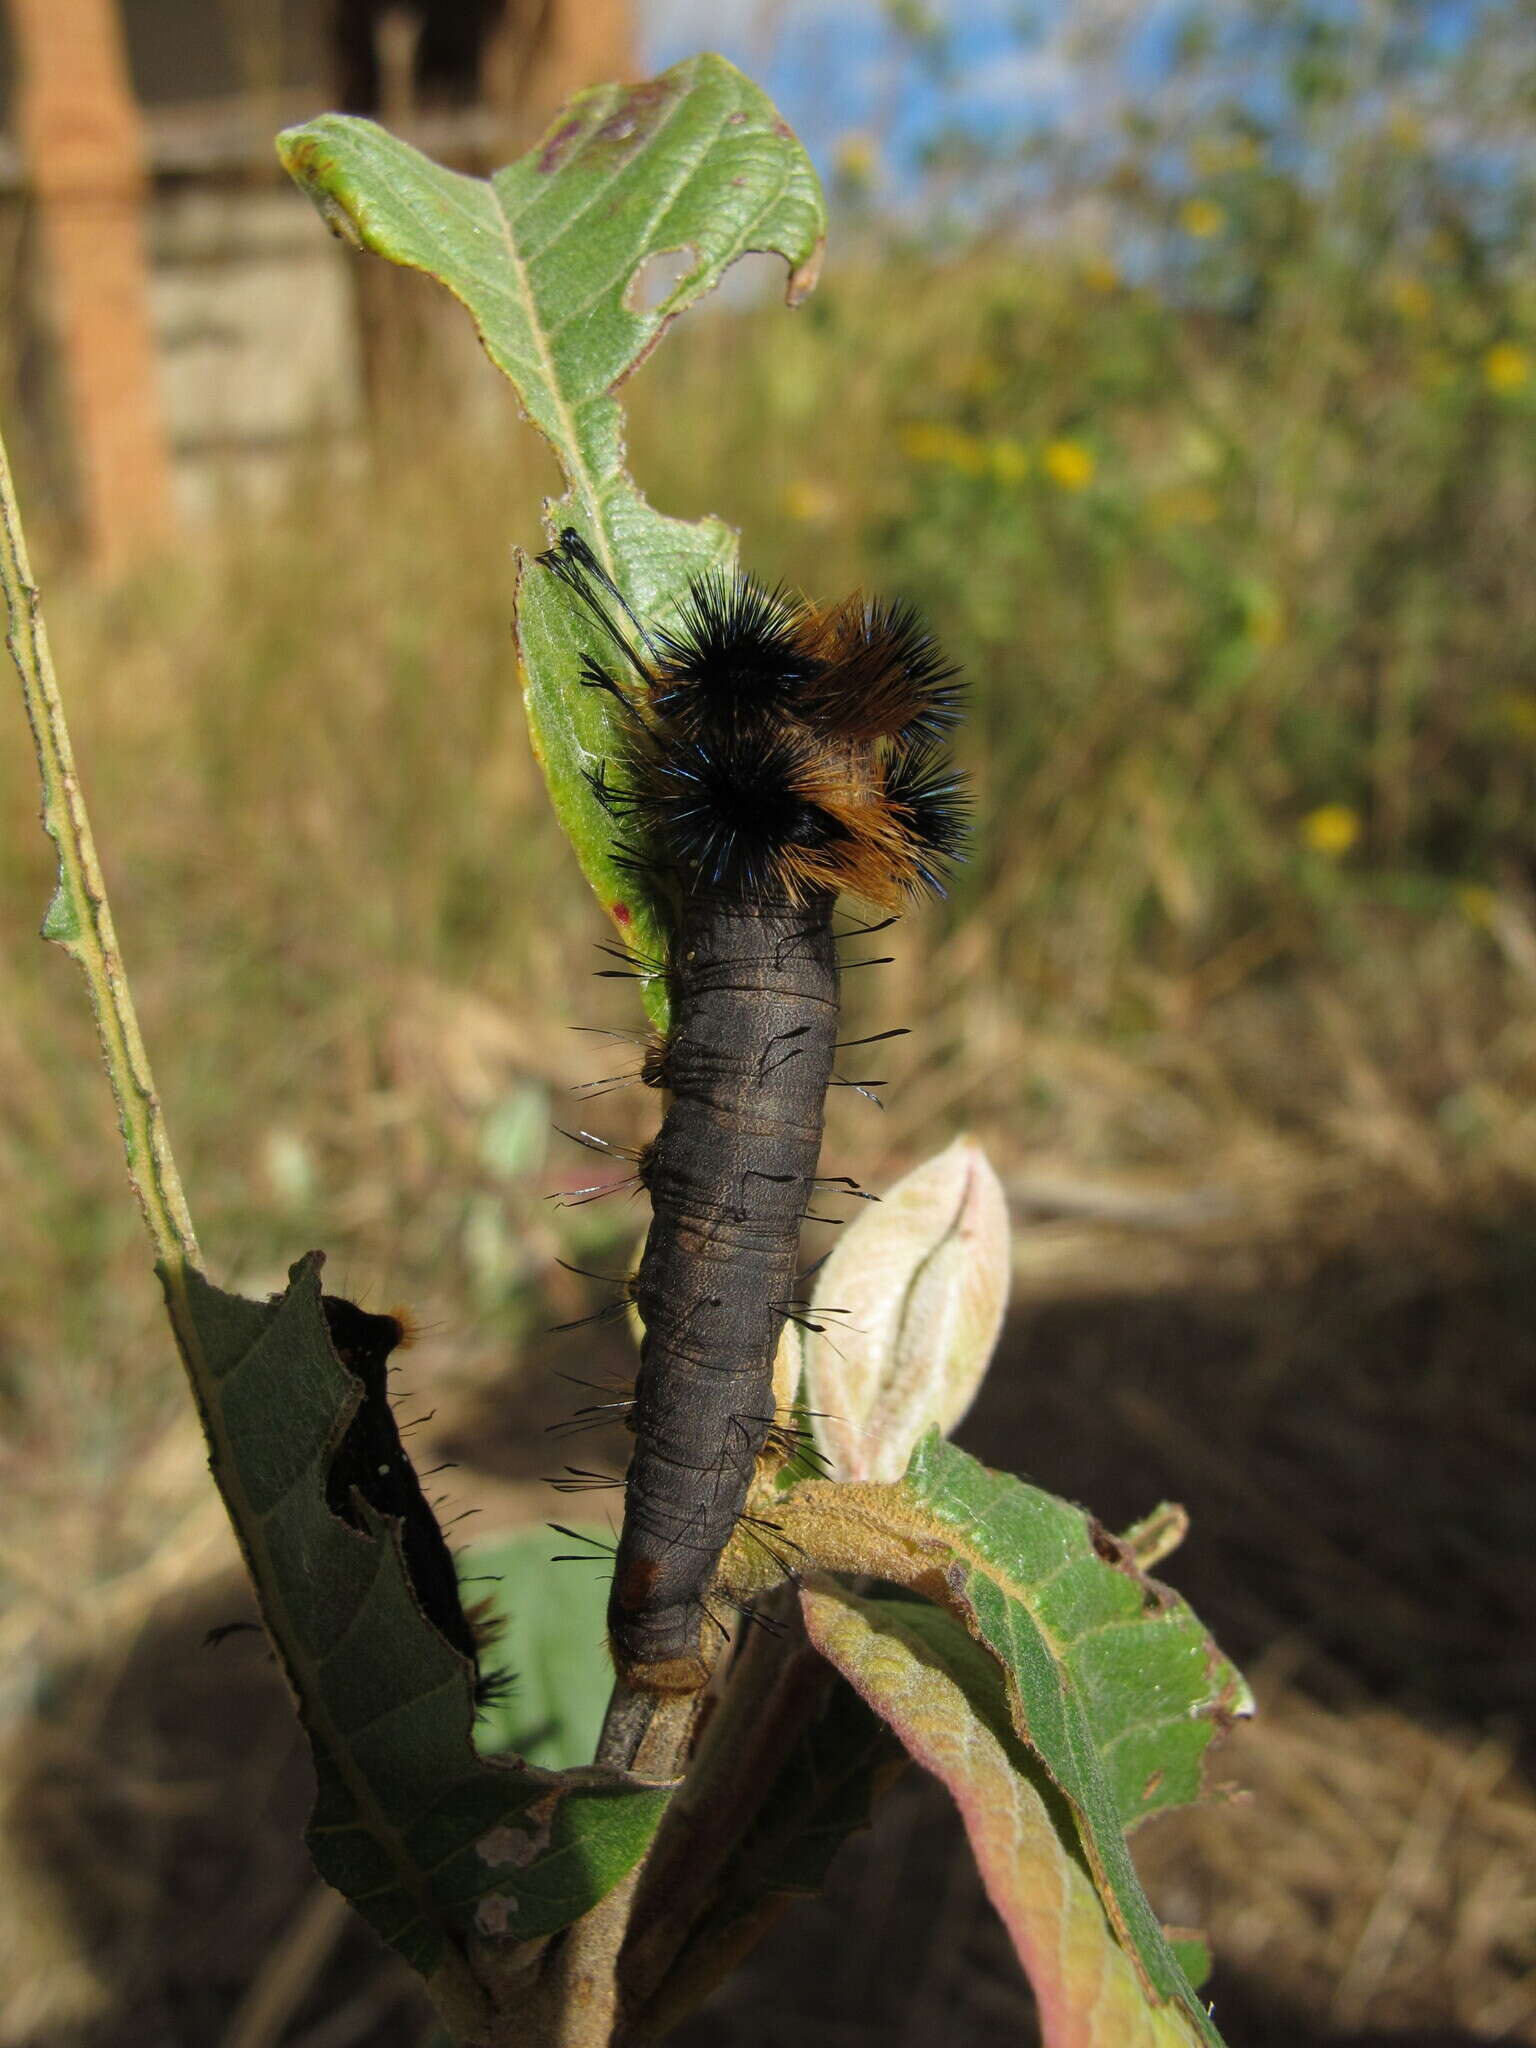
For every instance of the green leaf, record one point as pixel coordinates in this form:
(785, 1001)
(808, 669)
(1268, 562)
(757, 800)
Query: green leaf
(554, 1637)
(942, 1694)
(1192, 1952)
(1044, 1581)
(409, 1823)
(545, 256)
(1111, 1681)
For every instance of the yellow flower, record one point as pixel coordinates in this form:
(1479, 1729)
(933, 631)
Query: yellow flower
(1068, 463)
(1202, 218)
(858, 158)
(809, 501)
(1100, 275)
(1506, 368)
(1477, 903)
(924, 440)
(1212, 154)
(1009, 459)
(1331, 829)
(1411, 298)
(1516, 711)
(945, 446)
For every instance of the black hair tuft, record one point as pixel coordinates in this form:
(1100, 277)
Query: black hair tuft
(734, 809)
(734, 655)
(929, 798)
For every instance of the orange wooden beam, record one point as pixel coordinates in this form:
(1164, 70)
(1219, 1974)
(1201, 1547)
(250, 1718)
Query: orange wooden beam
(545, 50)
(82, 137)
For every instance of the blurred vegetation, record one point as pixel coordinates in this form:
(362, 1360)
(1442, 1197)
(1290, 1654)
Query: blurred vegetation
(1206, 443)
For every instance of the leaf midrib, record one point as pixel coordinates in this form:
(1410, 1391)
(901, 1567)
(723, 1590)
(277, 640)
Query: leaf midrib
(581, 473)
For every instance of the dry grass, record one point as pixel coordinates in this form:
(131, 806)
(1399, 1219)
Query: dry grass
(1428, 1836)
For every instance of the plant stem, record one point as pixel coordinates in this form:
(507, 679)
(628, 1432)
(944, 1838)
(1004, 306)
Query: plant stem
(778, 1686)
(646, 1723)
(648, 1733)
(80, 919)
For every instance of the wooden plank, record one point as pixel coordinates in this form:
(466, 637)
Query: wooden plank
(81, 139)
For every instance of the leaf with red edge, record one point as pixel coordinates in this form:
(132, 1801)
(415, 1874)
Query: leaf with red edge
(1109, 1679)
(942, 1696)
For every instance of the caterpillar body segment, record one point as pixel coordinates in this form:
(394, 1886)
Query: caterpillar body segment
(729, 1176)
(771, 756)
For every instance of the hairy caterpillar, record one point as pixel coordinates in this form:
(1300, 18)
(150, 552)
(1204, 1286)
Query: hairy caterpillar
(372, 1461)
(771, 756)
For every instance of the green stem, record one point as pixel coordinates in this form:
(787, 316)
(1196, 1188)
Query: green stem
(80, 918)
(576, 2002)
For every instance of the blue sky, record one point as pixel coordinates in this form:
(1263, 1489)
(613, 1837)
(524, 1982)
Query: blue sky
(837, 66)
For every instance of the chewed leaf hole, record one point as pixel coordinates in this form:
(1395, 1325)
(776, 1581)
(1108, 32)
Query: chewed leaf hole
(756, 278)
(658, 277)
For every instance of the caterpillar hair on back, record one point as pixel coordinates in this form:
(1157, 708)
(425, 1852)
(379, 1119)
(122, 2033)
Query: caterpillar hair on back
(770, 755)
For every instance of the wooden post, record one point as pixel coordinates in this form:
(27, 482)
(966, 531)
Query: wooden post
(544, 50)
(83, 144)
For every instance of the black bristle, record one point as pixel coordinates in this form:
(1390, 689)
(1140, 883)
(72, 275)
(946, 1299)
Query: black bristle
(730, 808)
(493, 1689)
(573, 561)
(898, 628)
(732, 656)
(922, 785)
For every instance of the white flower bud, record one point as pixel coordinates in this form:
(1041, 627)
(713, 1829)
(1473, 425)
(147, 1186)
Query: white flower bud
(923, 1278)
